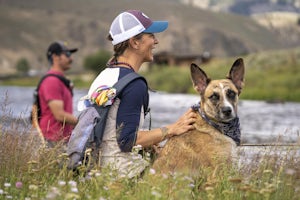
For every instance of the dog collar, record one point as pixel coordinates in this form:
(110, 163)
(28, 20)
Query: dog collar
(230, 129)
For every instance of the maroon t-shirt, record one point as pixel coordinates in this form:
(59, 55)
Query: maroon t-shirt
(53, 88)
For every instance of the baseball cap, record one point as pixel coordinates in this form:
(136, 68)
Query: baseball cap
(131, 23)
(58, 48)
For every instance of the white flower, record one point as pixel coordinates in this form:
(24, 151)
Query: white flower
(1, 191)
(105, 188)
(165, 176)
(97, 174)
(33, 187)
(152, 171)
(7, 184)
(61, 183)
(72, 183)
(156, 194)
(74, 189)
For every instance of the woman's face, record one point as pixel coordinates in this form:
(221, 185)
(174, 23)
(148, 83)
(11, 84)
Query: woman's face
(146, 46)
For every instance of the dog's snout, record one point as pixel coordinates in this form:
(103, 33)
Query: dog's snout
(226, 111)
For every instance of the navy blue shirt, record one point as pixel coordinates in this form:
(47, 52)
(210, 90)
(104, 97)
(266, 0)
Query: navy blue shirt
(133, 97)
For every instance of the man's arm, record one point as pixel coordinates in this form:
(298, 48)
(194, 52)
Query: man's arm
(57, 108)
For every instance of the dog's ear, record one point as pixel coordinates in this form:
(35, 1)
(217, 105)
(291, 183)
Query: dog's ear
(199, 78)
(236, 74)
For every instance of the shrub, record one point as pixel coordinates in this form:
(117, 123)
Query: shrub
(97, 62)
(22, 66)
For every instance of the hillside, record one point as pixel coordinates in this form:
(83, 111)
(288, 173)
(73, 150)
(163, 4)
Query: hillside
(247, 7)
(27, 28)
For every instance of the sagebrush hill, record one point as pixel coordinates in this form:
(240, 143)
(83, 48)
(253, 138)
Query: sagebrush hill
(27, 28)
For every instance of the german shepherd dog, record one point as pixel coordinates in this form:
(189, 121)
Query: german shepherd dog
(217, 130)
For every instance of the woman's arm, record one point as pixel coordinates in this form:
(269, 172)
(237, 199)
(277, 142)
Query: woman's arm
(182, 125)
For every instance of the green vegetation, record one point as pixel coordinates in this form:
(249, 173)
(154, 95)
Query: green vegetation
(23, 66)
(97, 62)
(29, 171)
(271, 76)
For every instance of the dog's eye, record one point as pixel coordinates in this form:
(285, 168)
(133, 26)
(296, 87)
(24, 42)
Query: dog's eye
(231, 94)
(214, 97)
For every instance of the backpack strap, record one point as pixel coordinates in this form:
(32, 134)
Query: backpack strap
(103, 111)
(61, 78)
(37, 112)
(119, 86)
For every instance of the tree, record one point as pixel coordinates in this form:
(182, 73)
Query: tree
(22, 66)
(97, 62)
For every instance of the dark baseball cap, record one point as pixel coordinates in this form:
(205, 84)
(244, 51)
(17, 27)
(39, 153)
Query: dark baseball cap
(58, 48)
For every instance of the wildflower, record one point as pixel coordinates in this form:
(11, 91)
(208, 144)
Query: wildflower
(27, 198)
(53, 193)
(74, 189)
(188, 178)
(97, 174)
(88, 177)
(33, 187)
(61, 183)
(152, 171)
(72, 183)
(7, 184)
(165, 176)
(137, 148)
(156, 194)
(105, 188)
(9, 197)
(1, 191)
(19, 184)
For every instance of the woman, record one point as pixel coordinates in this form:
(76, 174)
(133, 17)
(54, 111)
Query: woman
(132, 34)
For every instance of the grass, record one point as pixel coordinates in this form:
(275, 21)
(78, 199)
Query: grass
(35, 173)
(30, 171)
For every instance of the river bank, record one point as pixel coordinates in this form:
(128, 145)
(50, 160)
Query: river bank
(261, 122)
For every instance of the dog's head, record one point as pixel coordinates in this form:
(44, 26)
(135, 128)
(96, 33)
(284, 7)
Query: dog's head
(219, 98)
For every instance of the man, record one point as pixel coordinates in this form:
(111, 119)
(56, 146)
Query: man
(55, 96)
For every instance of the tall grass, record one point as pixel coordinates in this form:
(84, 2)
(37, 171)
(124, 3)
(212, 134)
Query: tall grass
(30, 171)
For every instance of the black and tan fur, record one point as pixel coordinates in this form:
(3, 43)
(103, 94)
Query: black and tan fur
(205, 146)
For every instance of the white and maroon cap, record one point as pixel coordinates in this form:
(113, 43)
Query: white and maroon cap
(131, 23)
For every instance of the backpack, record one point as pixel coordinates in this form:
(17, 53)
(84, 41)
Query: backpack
(35, 114)
(88, 132)
(36, 101)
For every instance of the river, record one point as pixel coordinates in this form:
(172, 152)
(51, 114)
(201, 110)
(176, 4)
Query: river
(261, 122)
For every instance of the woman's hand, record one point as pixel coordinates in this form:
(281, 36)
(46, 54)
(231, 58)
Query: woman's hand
(183, 124)
(154, 136)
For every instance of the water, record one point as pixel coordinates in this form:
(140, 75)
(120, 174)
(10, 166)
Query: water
(260, 121)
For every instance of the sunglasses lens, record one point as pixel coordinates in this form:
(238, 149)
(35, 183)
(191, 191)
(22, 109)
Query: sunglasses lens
(68, 53)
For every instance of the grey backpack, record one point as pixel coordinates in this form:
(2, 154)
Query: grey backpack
(89, 130)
